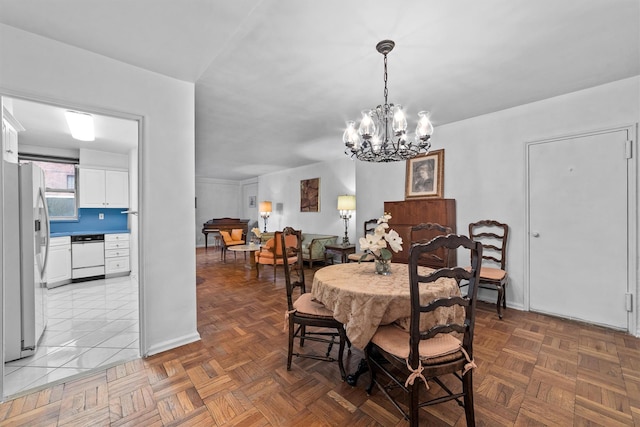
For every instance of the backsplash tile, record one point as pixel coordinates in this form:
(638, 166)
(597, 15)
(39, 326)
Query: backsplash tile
(88, 220)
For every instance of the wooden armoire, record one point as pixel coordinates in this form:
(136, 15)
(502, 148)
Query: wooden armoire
(408, 213)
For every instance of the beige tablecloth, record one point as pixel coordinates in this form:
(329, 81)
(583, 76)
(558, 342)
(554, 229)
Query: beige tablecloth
(363, 300)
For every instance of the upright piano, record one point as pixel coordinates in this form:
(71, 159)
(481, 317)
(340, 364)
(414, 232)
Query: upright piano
(216, 225)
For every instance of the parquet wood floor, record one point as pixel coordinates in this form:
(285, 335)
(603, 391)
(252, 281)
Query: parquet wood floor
(533, 370)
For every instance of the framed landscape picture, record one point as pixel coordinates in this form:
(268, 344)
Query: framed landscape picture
(310, 195)
(425, 176)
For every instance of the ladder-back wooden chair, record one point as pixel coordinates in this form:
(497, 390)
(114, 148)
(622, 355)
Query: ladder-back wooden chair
(304, 312)
(411, 360)
(369, 228)
(493, 235)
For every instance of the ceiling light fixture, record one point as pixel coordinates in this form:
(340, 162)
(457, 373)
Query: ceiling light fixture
(80, 125)
(382, 133)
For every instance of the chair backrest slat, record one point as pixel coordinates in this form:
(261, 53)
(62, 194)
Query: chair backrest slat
(493, 235)
(370, 226)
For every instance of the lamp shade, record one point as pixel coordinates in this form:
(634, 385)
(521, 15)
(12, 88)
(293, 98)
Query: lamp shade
(346, 203)
(265, 207)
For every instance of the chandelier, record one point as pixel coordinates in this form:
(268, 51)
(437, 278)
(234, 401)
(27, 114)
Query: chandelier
(381, 135)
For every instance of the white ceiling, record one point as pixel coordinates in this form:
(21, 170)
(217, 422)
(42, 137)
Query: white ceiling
(46, 125)
(276, 79)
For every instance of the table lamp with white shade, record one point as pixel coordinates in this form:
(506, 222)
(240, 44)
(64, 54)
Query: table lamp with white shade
(346, 205)
(265, 211)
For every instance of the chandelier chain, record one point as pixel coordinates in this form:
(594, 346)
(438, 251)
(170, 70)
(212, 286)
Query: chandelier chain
(386, 91)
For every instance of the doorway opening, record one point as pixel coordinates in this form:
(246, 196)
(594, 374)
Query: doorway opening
(91, 324)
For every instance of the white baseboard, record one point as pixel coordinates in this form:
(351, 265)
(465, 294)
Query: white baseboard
(171, 344)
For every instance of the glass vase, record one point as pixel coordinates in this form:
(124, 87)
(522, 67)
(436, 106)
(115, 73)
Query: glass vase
(383, 266)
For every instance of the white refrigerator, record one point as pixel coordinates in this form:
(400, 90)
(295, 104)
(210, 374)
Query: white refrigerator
(27, 237)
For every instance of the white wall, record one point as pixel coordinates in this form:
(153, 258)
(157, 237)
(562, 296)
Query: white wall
(217, 198)
(336, 178)
(33, 66)
(89, 158)
(485, 161)
(250, 189)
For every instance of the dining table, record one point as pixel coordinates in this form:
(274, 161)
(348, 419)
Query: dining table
(363, 300)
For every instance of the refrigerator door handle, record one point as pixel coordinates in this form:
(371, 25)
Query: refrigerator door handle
(46, 218)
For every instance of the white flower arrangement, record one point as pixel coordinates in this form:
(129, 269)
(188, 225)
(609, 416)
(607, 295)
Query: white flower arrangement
(376, 243)
(256, 231)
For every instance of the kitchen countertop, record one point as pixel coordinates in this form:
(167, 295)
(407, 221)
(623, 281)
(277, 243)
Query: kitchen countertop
(82, 233)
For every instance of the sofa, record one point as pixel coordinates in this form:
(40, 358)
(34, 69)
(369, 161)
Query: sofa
(313, 246)
(266, 236)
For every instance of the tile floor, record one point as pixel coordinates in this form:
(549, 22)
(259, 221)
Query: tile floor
(90, 324)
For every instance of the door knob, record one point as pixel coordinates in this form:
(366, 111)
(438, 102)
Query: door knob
(535, 234)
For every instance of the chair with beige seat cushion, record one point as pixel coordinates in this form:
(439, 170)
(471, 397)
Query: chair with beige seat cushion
(307, 319)
(413, 361)
(271, 253)
(493, 235)
(236, 237)
(369, 228)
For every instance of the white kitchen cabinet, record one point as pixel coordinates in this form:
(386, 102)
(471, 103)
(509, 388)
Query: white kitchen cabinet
(103, 188)
(116, 254)
(10, 129)
(59, 262)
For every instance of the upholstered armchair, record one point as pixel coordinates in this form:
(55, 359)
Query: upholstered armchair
(271, 252)
(236, 237)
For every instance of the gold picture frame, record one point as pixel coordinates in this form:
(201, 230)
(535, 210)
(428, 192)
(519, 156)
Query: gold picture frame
(425, 176)
(310, 195)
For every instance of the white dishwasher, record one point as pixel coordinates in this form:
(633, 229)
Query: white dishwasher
(87, 256)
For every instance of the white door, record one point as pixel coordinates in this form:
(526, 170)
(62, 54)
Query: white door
(578, 227)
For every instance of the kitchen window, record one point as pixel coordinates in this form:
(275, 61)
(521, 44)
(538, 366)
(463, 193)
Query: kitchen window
(60, 179)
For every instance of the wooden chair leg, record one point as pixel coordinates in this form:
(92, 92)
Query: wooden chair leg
(343, 339)
(467, 388)
(501, 301)
(291, 333)
(372, 372)
(504, 296)
(414, 409)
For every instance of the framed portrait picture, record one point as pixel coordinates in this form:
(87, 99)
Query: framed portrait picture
(252, 201)
(425, 176)
(310, 195)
